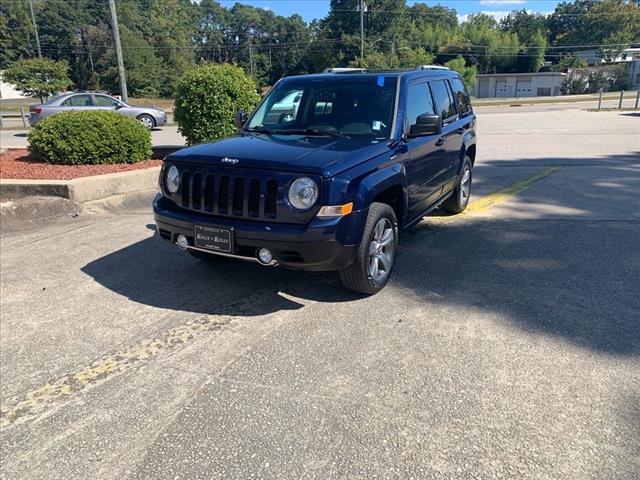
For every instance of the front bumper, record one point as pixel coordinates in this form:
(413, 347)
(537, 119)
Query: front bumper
(160, 120)
(320, 245)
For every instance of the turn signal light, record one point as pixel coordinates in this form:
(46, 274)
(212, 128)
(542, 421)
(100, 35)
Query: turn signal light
(336, 210)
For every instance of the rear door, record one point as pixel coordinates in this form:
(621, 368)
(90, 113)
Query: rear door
(425, 155)
(451, 137)
(80, 101)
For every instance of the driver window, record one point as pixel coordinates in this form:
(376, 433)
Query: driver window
(419, 102)
(104, 101)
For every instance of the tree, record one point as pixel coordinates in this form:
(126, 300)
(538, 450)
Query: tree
(468, 74)
(39, 77)
(16, 32)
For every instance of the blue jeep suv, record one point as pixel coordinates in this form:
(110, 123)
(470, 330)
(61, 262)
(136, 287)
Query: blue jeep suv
(324, 172)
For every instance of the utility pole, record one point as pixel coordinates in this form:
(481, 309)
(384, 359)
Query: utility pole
(393, 41)
(362, 8)
(250, 56)
(116, 41)
(35, 28)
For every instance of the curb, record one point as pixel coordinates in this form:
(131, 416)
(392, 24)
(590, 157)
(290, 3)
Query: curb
(85, 189)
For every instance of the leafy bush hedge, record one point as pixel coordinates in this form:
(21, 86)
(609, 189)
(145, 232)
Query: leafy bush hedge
(207, 98)
(84, 137)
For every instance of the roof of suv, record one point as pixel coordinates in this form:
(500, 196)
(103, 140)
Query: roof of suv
(410, 73)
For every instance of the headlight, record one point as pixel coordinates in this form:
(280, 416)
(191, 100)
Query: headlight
(172, 179)
(303, 193)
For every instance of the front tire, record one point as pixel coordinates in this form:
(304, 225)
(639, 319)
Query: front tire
(147, 121)
(376, 254)
(459, 199)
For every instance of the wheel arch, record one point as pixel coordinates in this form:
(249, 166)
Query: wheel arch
(388, 186)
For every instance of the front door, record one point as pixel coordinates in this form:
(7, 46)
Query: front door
(425, 157)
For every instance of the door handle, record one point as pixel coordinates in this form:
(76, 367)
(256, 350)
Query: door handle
(440, 142)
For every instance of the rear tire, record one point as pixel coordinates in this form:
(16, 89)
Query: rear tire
(459, 199)
(205, 257)
(376, 254)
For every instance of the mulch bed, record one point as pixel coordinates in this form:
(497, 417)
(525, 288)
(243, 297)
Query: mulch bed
(18, 164)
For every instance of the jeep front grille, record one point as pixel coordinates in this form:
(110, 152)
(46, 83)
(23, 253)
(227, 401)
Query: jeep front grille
(229, 195)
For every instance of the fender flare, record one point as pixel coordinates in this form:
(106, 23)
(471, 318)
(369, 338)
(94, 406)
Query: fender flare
(379, 181)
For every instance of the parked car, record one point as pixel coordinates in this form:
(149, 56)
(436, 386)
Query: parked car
(327, 184)
(149, 117)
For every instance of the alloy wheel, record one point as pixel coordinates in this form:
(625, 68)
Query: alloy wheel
(381, 251)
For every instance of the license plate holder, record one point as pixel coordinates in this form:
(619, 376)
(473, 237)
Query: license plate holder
(213, 238)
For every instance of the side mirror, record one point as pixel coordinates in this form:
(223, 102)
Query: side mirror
(241, 119)
(426, 124)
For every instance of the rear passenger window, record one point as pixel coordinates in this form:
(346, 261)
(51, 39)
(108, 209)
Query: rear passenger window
(445, 106)
(418, 102)
(463, 97)
(78, 101)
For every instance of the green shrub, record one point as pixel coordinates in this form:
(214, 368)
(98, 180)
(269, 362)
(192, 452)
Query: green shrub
(207, 98)
(84, 137)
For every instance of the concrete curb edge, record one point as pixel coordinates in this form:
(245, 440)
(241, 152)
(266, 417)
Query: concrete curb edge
(85, 189)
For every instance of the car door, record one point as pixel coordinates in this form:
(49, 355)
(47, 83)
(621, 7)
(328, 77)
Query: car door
(451, 137)
(80, 101)
(464, 123)
(105, 102)
(425, 155)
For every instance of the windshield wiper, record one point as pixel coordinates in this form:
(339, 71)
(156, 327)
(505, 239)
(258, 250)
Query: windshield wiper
(297, 131)
(314, 131)
(261, 130)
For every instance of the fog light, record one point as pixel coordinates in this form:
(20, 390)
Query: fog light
(265, 257)
(182, 242)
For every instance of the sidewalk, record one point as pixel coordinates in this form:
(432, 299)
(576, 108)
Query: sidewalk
(160, 137)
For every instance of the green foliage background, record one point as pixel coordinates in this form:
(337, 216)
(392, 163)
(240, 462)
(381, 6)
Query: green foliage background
(38, 77)
(207, 98)
(162, 39)
(89, 137)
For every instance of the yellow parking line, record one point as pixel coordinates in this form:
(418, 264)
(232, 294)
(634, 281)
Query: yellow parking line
(63, 387)
(487, 202)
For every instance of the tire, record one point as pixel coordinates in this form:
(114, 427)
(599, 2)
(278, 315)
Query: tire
(359, 277)
(205, 257)
(459, 199)
(147, 121)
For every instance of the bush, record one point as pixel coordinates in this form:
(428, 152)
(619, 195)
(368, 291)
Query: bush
(84, 137)
(207, 98)
(608, 78)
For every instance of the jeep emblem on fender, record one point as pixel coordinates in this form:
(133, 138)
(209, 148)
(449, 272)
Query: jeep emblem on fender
(232, 161)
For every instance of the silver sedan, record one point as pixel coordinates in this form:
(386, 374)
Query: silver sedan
(149, 117)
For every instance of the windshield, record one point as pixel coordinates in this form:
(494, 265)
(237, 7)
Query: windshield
(360, 106)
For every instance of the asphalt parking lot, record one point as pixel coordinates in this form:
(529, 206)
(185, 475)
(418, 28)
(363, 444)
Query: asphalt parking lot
(507, 344)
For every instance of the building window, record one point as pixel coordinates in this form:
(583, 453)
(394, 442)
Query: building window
(544, 91)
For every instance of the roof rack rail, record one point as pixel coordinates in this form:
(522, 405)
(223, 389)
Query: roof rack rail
(343, 70)
(432, 67)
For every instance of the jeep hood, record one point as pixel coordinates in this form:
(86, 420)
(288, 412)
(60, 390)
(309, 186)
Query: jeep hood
(322, 155)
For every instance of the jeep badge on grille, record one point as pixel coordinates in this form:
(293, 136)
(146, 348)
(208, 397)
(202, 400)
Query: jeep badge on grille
(232, 161)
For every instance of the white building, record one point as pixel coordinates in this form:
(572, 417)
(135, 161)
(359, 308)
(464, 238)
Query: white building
(593, 56)
(8, 91)
(634, 75)
(541, 84)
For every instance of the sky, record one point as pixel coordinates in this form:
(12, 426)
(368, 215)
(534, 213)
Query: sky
(310, 9)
